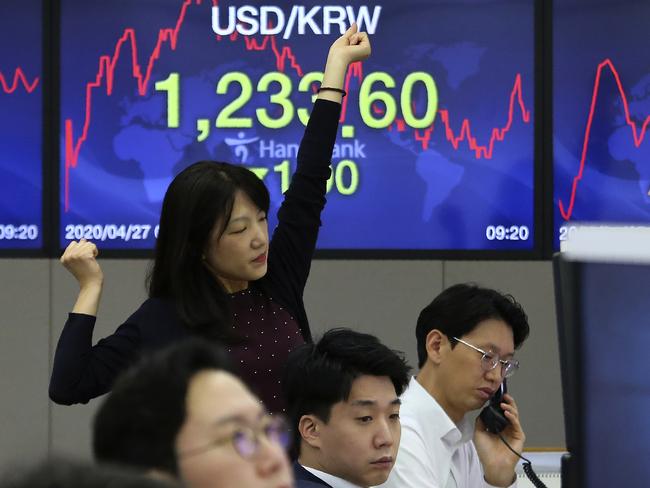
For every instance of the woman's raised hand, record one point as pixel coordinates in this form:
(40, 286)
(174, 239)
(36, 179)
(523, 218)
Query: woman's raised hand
(350, 47)
(79, 258)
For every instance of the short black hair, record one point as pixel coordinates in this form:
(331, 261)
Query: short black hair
(460, 308)
(138, 422)
(62, 473)
(318, 375)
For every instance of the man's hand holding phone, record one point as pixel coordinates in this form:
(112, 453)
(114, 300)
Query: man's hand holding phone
(498, 461)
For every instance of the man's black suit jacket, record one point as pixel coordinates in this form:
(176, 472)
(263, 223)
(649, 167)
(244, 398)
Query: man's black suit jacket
(304, 479)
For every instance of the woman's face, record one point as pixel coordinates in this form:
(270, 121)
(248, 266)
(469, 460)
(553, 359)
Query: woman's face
(238, 255)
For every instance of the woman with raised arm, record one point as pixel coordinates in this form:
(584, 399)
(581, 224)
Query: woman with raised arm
(215, 271)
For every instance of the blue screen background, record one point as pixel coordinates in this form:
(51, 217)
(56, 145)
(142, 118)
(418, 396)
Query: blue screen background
(593, 42)
(415, 190)
(21, 181)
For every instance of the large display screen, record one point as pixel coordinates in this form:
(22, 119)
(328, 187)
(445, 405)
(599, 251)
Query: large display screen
(601, 113)
(21, 91)
(435, 149)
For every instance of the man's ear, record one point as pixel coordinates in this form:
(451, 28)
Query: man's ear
(309, 427)
(437, 344)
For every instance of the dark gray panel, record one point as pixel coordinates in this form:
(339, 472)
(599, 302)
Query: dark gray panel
(24, 350)
(383, 298)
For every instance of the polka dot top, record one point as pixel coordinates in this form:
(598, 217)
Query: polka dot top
(270, 333)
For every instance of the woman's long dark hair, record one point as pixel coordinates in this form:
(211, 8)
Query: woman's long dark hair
(200, 197)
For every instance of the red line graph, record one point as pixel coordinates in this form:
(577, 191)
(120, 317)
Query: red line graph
(281, 55)
(498, 134)
(637, 135)
(19, 78)
(516, 97)
(284, 58)
(106, 70)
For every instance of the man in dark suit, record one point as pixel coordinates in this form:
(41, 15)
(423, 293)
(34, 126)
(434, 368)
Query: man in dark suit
(304, 479)
(343, 395)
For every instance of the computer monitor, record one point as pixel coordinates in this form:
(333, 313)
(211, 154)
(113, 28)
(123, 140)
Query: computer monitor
(604, 338)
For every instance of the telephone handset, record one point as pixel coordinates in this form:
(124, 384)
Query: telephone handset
(495, 421)
(492, 415)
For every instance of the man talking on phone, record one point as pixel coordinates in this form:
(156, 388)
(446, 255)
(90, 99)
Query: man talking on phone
(466, 339)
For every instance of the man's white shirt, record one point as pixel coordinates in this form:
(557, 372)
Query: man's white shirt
(434, 452)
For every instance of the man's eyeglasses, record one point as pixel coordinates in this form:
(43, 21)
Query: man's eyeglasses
(246, 440)
(491, 360)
